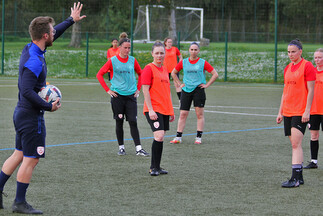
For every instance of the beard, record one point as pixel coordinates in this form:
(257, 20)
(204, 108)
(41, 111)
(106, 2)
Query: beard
(49, 42)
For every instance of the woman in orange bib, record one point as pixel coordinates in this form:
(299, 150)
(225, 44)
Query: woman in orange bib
(295, 106)
(158, 107)
(113, 51)
(170, 61)
(316, 118)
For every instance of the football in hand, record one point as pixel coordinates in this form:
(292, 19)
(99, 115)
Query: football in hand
(50, 93)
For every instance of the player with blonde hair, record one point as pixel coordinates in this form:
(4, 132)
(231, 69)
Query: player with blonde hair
(158, 107)
(316, 118)
(123, 35)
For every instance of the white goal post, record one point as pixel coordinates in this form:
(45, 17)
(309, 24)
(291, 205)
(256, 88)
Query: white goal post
(147, 21)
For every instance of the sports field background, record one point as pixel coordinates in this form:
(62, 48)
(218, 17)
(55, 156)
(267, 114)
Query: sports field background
(236, 171)
(246, 62)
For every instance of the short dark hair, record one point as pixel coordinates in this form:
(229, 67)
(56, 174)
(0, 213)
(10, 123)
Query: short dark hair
(39, 26)
(296, 42)
(195, 43)
(157, 44)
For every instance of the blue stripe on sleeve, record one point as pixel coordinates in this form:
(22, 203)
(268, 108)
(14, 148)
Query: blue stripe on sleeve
(34, 65)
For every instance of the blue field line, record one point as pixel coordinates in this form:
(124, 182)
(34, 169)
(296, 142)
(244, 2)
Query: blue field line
(192, 134)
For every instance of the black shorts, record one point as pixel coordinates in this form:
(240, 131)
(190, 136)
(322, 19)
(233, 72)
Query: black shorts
(197, 95)
(315, 122)
(30, 132)
(295, 122)
(162, 122)
(124, 106)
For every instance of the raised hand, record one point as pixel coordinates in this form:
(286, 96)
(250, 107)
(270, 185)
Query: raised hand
(76, 12)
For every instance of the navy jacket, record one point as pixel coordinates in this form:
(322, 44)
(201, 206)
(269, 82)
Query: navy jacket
(33, 72)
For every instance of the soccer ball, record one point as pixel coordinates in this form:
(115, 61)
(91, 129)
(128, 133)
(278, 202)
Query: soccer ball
(50, 93)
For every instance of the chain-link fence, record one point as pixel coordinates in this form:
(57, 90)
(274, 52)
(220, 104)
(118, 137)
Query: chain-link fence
(244, 20)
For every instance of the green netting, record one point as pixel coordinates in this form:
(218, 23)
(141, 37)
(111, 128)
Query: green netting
(244, 20)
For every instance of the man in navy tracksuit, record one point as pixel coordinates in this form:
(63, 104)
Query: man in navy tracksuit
(28, 116)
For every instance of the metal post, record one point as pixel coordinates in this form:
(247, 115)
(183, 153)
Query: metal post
(63, 18)
(179, 40)
(15, 20)
(255, 20)
(222, 20)
(87, 55)
(2, 54)
(226, 58)
(131, 30)
(63, 14)
(147, 23)
(107, 26)
(201, 23)
(276, 29)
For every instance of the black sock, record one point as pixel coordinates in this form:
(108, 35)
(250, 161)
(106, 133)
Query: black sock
(179, 134)
(159, 154)
(179, 95)
(119, 131)
(296, 173)
(21, 191)
(156, 154)
(3, 179)
(199, 134)
(314, 149)
(134, 132)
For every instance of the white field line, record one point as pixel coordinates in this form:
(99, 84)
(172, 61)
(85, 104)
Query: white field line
(235, 113)
(278, 87)
(176, 107)
(64, 101)
(76, 84)
(239, 107)
(6, 86)
(64, 84)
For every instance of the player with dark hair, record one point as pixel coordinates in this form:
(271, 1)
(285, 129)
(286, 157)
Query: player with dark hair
(124, 91)
(170, 60)
(316, 118)
(28, 116)
(295, 106)
(158, 107)
(114, 49)
(193, 89)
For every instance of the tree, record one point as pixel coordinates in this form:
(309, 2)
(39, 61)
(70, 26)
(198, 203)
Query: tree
(170, 7)
(76, 36)
(172, 22)
(92, 7)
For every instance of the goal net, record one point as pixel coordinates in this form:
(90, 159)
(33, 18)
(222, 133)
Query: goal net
(153, 22)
